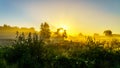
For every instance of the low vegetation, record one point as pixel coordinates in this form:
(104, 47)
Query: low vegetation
(35, 51)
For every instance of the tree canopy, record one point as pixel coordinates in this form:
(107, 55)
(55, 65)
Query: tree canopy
(45, 31)
(108, 33)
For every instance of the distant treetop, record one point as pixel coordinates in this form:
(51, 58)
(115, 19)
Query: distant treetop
(108, 33)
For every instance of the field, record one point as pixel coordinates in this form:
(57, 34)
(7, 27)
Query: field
(6, 42)
(59, 34)
(87, 53)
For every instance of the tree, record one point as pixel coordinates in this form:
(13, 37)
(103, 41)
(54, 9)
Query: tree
(45, 31)
(61, 33)
(64, 34)
(108, 33)
(96, 34)
(80, 34)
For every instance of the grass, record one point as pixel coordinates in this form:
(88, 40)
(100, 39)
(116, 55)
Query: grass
(63, 54)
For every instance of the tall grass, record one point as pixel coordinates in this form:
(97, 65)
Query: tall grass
(31, 52)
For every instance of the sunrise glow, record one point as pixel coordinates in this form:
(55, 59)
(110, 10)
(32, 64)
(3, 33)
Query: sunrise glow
(59, 33)
(75, 16)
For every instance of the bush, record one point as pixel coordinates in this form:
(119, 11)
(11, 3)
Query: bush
(31, 52)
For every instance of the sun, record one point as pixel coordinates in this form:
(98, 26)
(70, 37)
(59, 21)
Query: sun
(61, 31)
(64, 27)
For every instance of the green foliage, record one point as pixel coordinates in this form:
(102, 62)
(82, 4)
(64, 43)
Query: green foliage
(25, 51)
(108, 33)
(32, 52)
(45, 31)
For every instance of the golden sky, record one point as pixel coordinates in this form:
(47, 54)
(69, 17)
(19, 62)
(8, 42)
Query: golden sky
(77, 16)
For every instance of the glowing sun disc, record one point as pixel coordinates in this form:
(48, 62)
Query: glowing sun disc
(64, 27)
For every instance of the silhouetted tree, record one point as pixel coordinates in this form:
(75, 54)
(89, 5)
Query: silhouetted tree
(61, 35)
(29, 37)
(6, 26)
(35, 38)
(64, 34)
(96, 34)
(108, 33)
(45, 31)
(80, 34)
(58, 32)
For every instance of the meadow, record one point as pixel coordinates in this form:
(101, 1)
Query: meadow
(35, 53)
(44, 50)
(59, 33)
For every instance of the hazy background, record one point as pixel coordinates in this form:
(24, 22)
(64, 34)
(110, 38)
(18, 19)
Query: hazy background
(85, 16)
